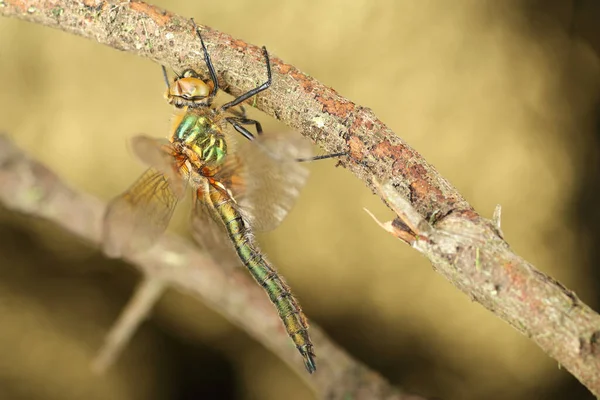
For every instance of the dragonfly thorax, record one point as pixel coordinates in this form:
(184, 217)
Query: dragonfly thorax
(203, 135)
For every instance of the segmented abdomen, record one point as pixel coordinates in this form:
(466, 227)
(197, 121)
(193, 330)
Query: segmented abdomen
(265, 274)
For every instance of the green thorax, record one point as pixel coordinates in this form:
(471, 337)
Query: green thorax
(203, 136)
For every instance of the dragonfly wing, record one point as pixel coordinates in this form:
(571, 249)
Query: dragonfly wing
(266, 179)
(159, 154)
(136, 218)
(210, 233)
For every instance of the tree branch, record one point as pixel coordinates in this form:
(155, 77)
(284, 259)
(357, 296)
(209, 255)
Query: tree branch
(463, 246)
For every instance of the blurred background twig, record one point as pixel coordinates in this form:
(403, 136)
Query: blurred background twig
(501, 38)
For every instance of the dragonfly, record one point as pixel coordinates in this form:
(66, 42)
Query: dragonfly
(237, 188)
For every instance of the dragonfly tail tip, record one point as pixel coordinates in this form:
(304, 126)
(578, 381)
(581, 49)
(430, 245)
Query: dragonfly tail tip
(309, 361)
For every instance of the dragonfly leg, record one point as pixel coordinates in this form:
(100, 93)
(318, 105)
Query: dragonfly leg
(237, 125)
(322, 157)
(246, 121)
(241, 112)
(254, 91)
(209, 65)
(245, 132)
(164, 70)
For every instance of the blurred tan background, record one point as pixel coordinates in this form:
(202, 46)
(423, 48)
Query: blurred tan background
(501, 96)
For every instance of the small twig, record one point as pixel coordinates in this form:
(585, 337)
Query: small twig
(464, 247)
(145, 297)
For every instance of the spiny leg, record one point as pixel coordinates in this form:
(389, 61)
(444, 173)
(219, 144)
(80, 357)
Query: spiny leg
(243, 131)
(322, 157)
(254, 91)
(246, 121)
(236, 123)
(164, 70)
(209, 64)
(240, 113)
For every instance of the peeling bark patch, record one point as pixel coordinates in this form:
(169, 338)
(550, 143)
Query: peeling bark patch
(340, 109)
(303, 80)
(160, 17)
(400, 154)
(239, 45)
(417, 171)
(284, 68)
(356, 147)
(419, 189)
(95, 4)
(383, 149)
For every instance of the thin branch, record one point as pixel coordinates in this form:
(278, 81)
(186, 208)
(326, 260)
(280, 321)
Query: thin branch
(141, 304)
(464, 247)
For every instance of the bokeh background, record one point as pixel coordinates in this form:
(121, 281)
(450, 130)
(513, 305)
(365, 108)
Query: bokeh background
(501, 96)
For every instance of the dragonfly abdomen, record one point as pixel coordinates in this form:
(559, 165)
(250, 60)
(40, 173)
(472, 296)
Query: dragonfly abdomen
(264, 273)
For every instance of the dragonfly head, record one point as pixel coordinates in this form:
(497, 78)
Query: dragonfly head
(189, 90)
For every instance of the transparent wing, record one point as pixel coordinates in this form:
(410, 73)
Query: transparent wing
(265, 178)
(210, 233)
(159, 154)
(136, 218)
